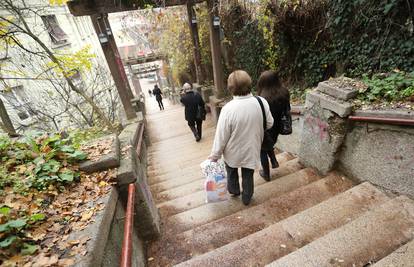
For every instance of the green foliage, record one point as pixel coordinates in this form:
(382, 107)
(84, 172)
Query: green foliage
(37, 161)
(393, 86)
(13, 231)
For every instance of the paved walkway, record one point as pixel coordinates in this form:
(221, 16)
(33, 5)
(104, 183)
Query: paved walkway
(297, 219)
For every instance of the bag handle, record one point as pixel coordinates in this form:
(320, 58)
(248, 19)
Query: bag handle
(263, 112)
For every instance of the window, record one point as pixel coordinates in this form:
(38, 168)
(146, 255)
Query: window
(18, 99)
(57, 35)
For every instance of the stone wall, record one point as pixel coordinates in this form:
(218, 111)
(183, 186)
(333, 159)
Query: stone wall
(325, 138)
(382, 154)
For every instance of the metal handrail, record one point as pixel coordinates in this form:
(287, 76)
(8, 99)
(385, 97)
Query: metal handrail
(128, 228)
(129, 213)
(382, 120)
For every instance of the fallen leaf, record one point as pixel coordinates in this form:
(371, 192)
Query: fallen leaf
(86, 215)
(42, 260)
(150, 259)
(66, 262)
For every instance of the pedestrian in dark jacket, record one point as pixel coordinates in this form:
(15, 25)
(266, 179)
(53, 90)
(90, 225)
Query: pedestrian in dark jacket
(270, 87)
(158, 96)
(194, 110)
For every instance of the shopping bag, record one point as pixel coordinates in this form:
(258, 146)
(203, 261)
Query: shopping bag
(216, 180)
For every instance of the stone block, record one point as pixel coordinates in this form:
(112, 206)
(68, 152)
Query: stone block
(341, 108)
(323, 133)
(215, 106)
(343, 93)
(105, 162)
(98, 231)
(146, 215)
(126, 172)
(206, 92)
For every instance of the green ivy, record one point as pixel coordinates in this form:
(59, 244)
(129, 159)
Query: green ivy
(37, 161)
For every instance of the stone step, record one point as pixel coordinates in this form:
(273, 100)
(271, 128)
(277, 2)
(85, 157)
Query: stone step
(294, 232)
(166, 166)
(402, 257)
(198, 185)
(207, 237)
(191, 211)
(361, 242)
(181, 175)
(184, 141)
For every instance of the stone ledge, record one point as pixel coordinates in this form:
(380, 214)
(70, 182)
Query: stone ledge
(393, 114)
(339, 107)
(109, 161)
(98, 232)
(345, 93)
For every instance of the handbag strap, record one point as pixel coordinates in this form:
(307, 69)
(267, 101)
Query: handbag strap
(263, 112)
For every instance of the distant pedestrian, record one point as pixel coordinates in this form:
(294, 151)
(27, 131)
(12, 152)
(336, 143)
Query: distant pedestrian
(270, 87)
(239, 134)
(194, 110)
(158, 96)
(150, 92)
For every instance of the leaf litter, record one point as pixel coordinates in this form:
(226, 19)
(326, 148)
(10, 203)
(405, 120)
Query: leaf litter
(66, 210)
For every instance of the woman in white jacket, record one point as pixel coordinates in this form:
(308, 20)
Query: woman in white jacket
(239, 134)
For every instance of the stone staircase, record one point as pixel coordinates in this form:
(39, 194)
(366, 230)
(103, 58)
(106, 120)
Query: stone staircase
(297, 219)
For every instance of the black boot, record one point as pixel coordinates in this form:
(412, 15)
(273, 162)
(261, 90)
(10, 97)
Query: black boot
(273, 161)
(194, 130)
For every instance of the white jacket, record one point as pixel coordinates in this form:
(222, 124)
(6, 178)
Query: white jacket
(239, 132)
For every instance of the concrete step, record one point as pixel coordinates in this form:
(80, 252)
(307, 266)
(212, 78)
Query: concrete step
(402, 257)
(191, 211)
(207, 237)
(198, 185)
(361, 242)
(285, 236)
(183, 177)
(172, 165)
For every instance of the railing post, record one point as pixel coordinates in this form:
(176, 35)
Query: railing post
(128, 228)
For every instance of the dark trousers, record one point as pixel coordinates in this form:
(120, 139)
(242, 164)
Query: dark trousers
(197, 125)
(233, 181)
(160, 104)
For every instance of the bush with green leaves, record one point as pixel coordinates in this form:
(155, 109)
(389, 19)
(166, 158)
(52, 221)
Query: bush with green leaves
(393, 86)
(37, 161)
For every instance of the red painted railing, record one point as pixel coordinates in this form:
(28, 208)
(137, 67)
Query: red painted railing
(128, 228)
(129, 213)
(382, 120)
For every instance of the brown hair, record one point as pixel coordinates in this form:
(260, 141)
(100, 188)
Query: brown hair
(239, 83)
(270, 87)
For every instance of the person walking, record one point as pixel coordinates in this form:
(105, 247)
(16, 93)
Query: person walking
(158, 96)
(270, 87)
(150, 92)
(194, 110)
(239, 134)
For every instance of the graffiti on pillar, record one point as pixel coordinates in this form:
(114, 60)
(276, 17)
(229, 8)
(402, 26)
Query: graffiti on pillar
(318, 127)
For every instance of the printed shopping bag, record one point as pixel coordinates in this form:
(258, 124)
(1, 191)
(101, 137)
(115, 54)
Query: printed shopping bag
(216, 180)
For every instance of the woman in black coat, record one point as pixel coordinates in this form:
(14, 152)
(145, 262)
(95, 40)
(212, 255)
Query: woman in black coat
(270, 87)
(194, 110)
(158, 96)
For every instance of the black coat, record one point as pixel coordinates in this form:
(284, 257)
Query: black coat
(157, 92)
(192, 101)
(277, 108)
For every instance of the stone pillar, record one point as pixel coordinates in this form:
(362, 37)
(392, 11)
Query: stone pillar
(212, 6)
(325, 126)
(5, 122)
(192, 21)
(102, 28)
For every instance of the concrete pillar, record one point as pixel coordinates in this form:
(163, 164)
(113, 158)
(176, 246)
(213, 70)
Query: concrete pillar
(169, 76)
(192, 21)
(135, 82)
(5, 122)
(324, 126)
(101, 24)
(219, 92)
